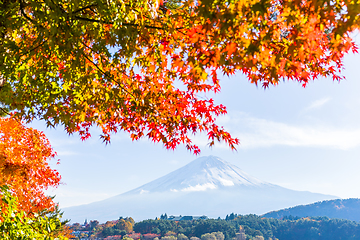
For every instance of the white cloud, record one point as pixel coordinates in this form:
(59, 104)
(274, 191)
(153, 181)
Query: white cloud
(226, 182)
(258, 133)
(199, 187)
(265, 133)
(317, 104)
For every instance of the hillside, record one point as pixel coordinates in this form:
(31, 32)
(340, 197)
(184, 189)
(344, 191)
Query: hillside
(338, 208)
(240, 227)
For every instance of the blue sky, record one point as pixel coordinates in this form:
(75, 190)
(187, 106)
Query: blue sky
(299, 138)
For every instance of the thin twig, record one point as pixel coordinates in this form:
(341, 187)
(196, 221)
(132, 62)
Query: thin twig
(4, 111)
(34, 48)
(120, 85)
(124, 24)
(24, 14)
(82, 9)
(101, 57)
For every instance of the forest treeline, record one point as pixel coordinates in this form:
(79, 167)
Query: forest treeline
(337, 208)
(238, 227)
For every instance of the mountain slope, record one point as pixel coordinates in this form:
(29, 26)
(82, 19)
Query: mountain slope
(338, 208)
(201, 174)
(207, 186)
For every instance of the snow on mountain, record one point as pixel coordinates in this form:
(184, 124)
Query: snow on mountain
(202, 174)
(206, 186)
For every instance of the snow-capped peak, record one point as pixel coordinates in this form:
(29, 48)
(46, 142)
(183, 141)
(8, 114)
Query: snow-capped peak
(202, 174)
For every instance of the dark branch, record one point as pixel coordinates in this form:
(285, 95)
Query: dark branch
(27, 17)
(24, 14)
(34, 48)
(84, 8)
(107, 75)
(92, 20)
(124, 24)
(4, 112)
(58, 6)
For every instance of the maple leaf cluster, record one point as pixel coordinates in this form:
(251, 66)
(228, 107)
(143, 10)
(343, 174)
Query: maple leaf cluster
(24, 168)
(142, 66)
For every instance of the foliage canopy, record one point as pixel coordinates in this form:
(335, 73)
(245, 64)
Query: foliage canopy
(17, 224)
(139, 66)
(24, 167)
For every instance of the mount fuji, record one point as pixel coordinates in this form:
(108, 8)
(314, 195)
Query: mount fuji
(206, 186)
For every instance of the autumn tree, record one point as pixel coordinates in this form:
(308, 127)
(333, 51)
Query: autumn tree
(122, 224)
(18, 224)
(219, 235)
(182, 236)
(213, 236)
(142, 66)
(93, 224)
(208, 236)
(24, 166)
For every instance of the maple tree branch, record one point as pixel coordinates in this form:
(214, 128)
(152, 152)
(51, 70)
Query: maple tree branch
(24, 14)
(27, 17)
(34, 48)
(87, 19)
(84, 8)
(107, 75)
(59, 6)
(101, 57)
(4, 111)
(124, 24)
(29, 51)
